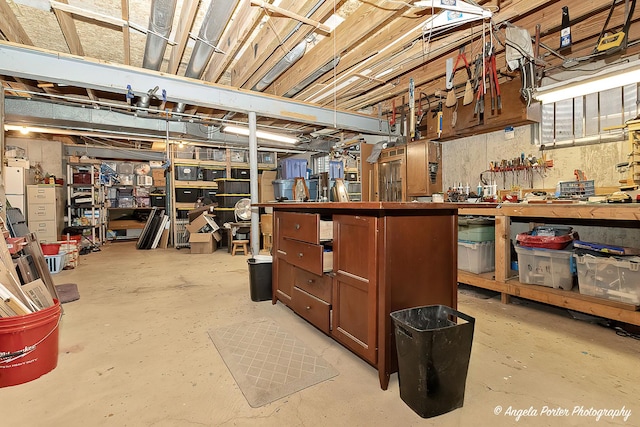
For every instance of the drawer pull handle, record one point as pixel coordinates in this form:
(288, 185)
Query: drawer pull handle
(297, 226)
(311, 281)
(308, 308)
(300, 254)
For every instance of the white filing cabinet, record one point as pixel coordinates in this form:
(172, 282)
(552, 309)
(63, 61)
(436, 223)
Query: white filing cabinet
(46, 211)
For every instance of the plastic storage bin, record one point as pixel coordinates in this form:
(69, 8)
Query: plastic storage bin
(609, 277)
(260, 277)
(283, 189)
(186, 195)
(293, 168)
(476, 257)
(240, 173)
(213, 174)
(476, 229)
(230, 200)
(433, 344)
(546, 267)
(186, 173)
(230, 186)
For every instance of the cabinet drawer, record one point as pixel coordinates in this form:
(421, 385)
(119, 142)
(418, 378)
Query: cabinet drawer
(318, 286)
(46, 231)
(301, 254)
(36, 194)
(39, 211)
(311, 308)
(299, 226)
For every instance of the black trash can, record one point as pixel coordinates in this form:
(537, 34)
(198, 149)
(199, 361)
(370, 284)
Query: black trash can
(434, 348)
(260, 277)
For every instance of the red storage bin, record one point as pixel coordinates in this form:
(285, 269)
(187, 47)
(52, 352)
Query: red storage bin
(82, 178)
(50, 248)
(547, 237)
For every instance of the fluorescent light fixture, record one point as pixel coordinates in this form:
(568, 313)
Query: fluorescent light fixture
(24, 130)
(260, 134)
(610, 78)
(384, 73)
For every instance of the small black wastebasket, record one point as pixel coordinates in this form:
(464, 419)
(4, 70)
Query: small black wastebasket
(433, 348)
(260, 277)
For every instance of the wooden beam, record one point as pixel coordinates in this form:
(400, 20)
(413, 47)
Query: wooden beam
(69, 30)
(126, 33)
(10, 26)
(262, 46)
(234, 37)
(187, 16)
(351, 38)
(323, 13)
(289, 14)
(95, 16)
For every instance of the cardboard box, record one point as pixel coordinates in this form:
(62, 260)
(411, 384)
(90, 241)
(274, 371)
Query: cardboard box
(266, 186)
(202, 243)
(158, 177)
(203, 224)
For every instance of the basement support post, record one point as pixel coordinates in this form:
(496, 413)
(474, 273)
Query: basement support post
(253, 174)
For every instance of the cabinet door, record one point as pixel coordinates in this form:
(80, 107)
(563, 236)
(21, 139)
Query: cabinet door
(284, 279)
(355, 284)
(423, 169)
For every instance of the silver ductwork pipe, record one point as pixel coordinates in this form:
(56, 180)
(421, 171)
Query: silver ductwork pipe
(281, 66)
(145, 100)
(213, 25)
(160, 23)
(313, 77)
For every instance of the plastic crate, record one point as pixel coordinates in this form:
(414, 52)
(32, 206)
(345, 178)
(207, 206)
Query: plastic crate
(609, 277)
(546, 267)
(476, 229)
(476, 257)
(576, 189)
(55, 262)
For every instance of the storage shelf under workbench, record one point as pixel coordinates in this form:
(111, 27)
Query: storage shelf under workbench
(502, 280)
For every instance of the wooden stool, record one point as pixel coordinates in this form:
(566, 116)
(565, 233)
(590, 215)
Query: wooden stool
(239, 244)
(267, 242)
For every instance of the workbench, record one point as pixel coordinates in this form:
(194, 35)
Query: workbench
(506, 282)
(344, 267)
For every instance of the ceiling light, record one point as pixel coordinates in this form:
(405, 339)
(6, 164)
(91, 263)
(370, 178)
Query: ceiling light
(260, 134)
(384, 73)
(612, 77)
(181, 144)
(24, 130)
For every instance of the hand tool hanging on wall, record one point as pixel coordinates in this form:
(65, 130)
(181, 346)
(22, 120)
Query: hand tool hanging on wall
(613, 42)
(392, 122)
(412, 110)
(451, 95)
(565, 32)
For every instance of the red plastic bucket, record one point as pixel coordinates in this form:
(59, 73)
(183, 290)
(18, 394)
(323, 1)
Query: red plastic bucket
(29, 345)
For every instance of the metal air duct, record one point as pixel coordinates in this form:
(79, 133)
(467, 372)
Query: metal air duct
(313, 77)
(160, 23)
(215, 20)
(281, 66)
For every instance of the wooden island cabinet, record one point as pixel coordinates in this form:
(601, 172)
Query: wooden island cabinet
(344, 267)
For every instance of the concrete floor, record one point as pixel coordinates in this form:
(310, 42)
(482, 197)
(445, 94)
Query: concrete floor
(134, 351)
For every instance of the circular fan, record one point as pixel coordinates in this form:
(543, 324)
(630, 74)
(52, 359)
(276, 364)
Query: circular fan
(142, 169)
(242, 210)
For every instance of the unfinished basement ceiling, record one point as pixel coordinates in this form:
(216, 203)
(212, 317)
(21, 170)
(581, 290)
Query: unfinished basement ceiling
(350, 55)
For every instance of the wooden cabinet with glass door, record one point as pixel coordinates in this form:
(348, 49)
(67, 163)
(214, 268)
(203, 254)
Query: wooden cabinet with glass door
(390, 172)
